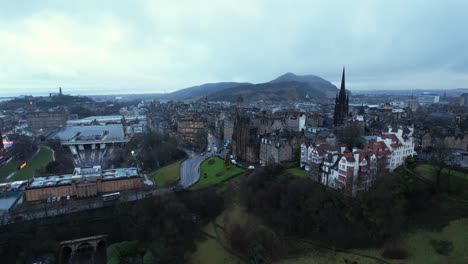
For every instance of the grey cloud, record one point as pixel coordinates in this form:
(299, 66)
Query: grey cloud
(391, 44)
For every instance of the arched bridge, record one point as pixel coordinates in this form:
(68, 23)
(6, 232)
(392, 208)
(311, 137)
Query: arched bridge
(69, 248)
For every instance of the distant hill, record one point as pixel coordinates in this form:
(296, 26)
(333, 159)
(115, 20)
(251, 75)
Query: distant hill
(271, 92)
(310, 79)
(200, 91)
(287, 87)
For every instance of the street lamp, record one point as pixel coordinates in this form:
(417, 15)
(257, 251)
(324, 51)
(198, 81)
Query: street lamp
(134, 158)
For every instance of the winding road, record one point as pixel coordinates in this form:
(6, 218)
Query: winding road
(190, 168)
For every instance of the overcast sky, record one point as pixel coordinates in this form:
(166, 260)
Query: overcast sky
(157, 46)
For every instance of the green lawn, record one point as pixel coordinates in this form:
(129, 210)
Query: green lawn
(297, 172)
(8, 168)
(427, 170)
(418, 244)
(167, 175)
(208, 173)
(38, 161)
(321, 256)
(210, 251)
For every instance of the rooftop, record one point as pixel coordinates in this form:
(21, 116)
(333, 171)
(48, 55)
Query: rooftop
(83, 174)
(89, 133)
(105, 119)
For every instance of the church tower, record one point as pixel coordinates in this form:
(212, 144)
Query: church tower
(341, 103)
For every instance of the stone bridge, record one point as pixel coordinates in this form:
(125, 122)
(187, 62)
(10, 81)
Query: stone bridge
(69, 248)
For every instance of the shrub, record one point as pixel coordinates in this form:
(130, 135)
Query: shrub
(148, 258)
(409, 160)
(394, 251)
(442, 247)
(211, 162)
(117, 251)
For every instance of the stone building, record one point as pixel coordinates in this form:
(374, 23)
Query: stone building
(400, 143)
(188, 127)
(83, 183)
(245, 142)
(47, 119)
(275, 150)
(357, 170)
(459, 141)
(296, 122)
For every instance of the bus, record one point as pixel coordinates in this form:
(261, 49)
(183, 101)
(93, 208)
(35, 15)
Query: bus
(111, 196)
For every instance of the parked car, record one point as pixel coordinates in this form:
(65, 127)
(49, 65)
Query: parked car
(234, 162)
(251, 167)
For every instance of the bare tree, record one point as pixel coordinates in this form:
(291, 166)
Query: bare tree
(441, 156)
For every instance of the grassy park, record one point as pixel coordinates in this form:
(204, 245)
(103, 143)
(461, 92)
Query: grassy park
(209, 250)
(167, 175)
(213, 171)
(418, 244)
(38, 161)
(8, 169)
(297, 172)
(428, 170)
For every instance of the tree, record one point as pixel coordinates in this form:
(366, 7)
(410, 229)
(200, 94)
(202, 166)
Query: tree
(23, 147)
(258, 254)
(151, 150)
(440, 155)
(63, 157)
(201, 140)
(227, 159)
(351, 134)
(55, 167)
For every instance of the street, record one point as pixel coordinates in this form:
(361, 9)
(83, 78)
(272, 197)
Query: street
(41, 210)
(190, 168)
